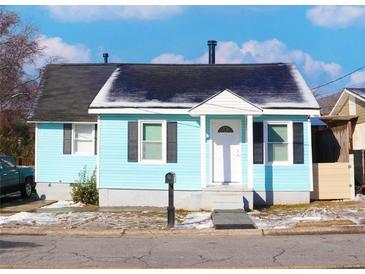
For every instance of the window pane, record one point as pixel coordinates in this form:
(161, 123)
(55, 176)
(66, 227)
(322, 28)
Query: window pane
(278, 152)
(152, 151)
(152, 132)
(84, 132)
(83, 147)
(277, 133)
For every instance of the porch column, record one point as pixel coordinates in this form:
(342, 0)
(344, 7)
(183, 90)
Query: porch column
(202, 151)
(250, 151)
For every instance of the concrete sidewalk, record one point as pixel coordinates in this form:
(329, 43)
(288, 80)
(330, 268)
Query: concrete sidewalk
(182, 232)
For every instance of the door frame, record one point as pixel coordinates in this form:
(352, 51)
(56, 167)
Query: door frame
(212, 152)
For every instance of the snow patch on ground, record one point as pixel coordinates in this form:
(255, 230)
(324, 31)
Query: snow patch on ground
(196, 220)
(63, 203)
(28, 218)
(359, 197)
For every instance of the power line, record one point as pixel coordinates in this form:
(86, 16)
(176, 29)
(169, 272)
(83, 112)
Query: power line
(339, 78)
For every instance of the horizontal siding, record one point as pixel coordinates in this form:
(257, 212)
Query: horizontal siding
(116, 172)
(345, 110)
(295, 177)
(360, 111)
(52, 165)
(332, 181)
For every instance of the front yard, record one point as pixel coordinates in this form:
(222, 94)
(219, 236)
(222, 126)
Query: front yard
(67, 215)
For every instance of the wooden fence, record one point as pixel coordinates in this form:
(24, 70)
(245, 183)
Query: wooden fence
(333, 180)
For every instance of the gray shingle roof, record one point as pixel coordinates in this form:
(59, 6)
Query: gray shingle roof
(67, 91)
(275, 85)
(358, 91)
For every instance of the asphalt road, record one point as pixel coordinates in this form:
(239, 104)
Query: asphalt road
(346, 250)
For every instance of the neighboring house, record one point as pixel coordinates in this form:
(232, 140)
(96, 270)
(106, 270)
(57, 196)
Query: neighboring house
(352, 103)
(235, 135)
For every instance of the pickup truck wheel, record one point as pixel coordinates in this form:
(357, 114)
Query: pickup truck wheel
(26, 190)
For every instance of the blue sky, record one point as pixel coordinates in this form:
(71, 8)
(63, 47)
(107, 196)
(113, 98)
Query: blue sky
(324, 42)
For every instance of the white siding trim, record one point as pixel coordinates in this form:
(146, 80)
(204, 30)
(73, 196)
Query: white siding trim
(225, 102)
(59, 122)
(249, 136)
(310, 164)
(98, 154)
(203, 151)
(36, 154)
(312, 112)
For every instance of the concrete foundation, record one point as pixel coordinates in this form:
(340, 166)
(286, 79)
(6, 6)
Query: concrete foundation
(206, 199)
(281, 197)
(54, 191)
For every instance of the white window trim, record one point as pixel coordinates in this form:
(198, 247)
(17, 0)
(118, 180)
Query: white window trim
(73, 140)
(289, 125)
(164, 141)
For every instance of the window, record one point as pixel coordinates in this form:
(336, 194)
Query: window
(225, 129)
(152, 141)
(7, 164)
(277, 142)
(83, 139)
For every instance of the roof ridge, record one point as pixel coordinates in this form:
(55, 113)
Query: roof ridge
(152, 64)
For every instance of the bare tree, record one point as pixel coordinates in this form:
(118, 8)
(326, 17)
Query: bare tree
(18, 48)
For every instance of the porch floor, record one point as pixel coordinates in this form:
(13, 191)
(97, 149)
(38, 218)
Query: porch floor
(232, 219)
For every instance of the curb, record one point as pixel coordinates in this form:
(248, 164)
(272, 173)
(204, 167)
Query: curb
(191, 233)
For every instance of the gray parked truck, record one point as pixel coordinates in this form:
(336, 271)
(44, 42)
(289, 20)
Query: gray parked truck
(15, 178)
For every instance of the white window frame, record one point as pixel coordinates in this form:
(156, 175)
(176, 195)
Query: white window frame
(289, 125)
(73, 140)
(164, 141)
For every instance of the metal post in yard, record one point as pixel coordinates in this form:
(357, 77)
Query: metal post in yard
(170, 179)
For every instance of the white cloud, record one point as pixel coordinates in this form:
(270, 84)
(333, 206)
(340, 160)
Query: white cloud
(253, 51)
(357, 79)
(93, 13)
(170, 58)
(336, 16)
(55, 50)
(64, 52)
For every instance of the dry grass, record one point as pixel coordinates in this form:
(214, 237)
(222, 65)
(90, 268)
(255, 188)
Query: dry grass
(323, 223)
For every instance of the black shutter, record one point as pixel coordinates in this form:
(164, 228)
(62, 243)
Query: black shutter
(258, 143)
(96, 139)
(132, 141)
(298, 143)
(67, 138)
(171, 156)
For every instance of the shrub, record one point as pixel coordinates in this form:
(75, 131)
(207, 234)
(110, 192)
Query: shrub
(85, 190)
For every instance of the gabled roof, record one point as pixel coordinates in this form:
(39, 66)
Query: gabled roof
(358, 93)
(225, 102)
(67, 91)
(276, 86)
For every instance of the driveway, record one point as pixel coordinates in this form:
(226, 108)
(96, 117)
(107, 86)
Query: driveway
(13, 203)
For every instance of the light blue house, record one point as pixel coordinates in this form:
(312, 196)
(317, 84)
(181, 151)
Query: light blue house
(235, 135)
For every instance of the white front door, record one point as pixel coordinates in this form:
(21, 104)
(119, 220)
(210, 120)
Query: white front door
(226, 137)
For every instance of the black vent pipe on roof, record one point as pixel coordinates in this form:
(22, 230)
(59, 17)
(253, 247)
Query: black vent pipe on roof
(212, 44)
(105, 56)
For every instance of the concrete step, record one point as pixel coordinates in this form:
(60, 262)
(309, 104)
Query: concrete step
(232, 219)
